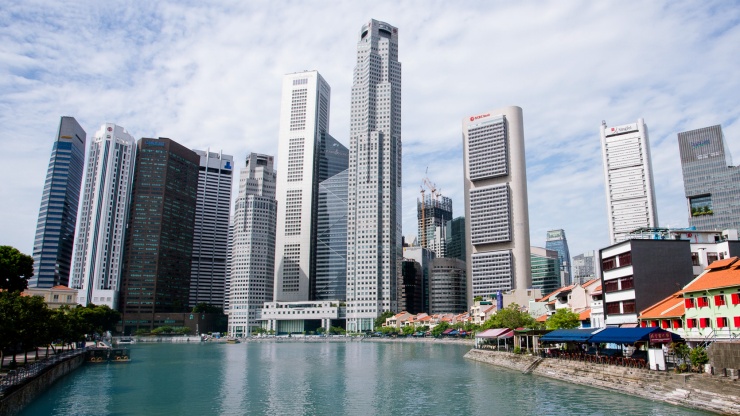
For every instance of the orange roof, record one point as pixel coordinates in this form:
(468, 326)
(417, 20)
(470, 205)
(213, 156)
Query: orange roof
(542, 318)
(61, 287)
(590, 282)
(549, 295)
(552, 302)
(585, 314)
(670, 307)
(720, 274)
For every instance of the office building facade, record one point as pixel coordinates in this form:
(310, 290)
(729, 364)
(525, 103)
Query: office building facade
(251, 282)
(556, 241)
(711, 182)
(585, 267)
(447, 286)
(159, 239)
(98, 258)
(374, 241)
(211, 229)
(546, 270)
(331, 239)
(433, 212)
(496, 211)
(628, 178)
(455, 239)
(55, 229)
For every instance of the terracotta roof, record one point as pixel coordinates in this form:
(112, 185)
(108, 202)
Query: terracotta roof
(585, 314)
(670, 307)
(552, 302)
(716, 278)
(542, 318)
(590, 282)
(61, 287)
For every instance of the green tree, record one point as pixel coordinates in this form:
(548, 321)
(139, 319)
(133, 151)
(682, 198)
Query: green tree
(698, 357)
(15, 269)
(337, 330)
(379, 321)
(510, 317)
(408, 330)
(34, 324)
(206, 308)
(563, 318)
(440, 328)
(10, 305)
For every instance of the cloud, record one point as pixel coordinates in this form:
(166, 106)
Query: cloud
(209, 75)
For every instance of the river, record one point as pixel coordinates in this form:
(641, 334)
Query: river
(321, 378)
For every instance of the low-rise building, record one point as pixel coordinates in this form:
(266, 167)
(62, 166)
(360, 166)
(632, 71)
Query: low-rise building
(667, 314)
(712, 302)
(55, 297)
(298, 317)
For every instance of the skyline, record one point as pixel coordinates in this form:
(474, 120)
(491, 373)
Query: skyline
(217, 73)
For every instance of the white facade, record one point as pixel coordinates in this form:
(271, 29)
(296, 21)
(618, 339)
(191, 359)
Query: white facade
(211, 229)
(624, 299)
(628, 178)
(253, 245)
(374, 252)
(98, 252)
(497, 229)
(304, 118)
(291, 317)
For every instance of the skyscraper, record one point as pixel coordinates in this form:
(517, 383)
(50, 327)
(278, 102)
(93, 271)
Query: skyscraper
(159, 239)
(455, 239)
(211, 230)
(310, 156)
(497, 216)
(711, 183)
(628, 175)
(433, 212)
(586, 267)
(331, 241)
(556, 241)
(374, 251)
(253, 246)
(98, 257)
(546, 270)
(447, 286)
(55, 230)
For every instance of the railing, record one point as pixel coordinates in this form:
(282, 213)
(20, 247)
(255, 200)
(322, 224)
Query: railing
(597, 359)
(21, 375)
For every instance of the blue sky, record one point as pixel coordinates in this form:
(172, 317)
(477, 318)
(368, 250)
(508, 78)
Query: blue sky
(209, 75)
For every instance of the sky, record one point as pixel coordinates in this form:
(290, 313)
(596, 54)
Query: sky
(208, 74)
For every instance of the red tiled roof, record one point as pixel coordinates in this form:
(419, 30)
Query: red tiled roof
(670, 307)
(717, 276)
(585, 314)
(61, 287)
(590, 282)
(562, 289)
(542, 318)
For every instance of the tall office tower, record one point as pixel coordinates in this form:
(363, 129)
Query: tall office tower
(374, 251)
(411, 288)
(586, 267)
(556, 241)
(211, 230)
(55, 230)
(310, 156)
(98, 258)
(331, 241)
(253, 255)
(711, 182)
(447, 286)
(433, 212)
(424, 257)
(455, 239)
(159, 240)
(546, 269)
(497, 226)
(628, 174)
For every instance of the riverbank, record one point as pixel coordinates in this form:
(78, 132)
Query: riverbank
(696, 391)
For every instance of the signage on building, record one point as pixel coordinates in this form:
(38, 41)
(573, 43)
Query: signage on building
(473, 118)
(153, 143)
(660, 337)
(554, 234)
(699, 143)
(627, 128)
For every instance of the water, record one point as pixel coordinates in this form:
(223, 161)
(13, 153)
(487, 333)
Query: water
(294, 378)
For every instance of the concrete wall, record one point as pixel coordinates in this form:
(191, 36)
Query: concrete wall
(698, 391)
(14, 402)
(724, 355)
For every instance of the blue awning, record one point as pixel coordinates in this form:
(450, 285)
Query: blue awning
(568, 335)
(627, 335)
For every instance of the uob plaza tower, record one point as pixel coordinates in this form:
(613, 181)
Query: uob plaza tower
(374, 221)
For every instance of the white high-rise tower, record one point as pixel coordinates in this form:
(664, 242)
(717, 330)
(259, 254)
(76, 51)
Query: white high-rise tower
(105, 207)
(374, 251)
(628, 176)
(304, 123)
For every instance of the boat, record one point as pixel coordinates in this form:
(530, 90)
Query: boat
(232, 341)
(103, 352)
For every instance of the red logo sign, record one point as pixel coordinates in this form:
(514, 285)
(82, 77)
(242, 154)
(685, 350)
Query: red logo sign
(662, 337)
(480, 116)
(110, 128)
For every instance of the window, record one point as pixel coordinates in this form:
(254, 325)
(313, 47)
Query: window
(712, 257)
(627, 282)
(702, 301)
(721, 322)
(719, 300)
(611, 286)
(612, 308)
(608, 263)
(688, 303)
(665, 324)
(676, 324)
(695, 259)
(736, 298)
(643, 324)
(625, 259)
(737, 322)
(691, 323)
(703, 322)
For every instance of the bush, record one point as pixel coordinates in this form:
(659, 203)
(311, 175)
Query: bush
(517, 350)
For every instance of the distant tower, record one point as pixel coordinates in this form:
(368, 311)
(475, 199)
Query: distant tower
(433, 213)
(374, 222)
(711, 183)
(455, 239)
(331, 239)
(447, 286)
(628, 175)
(253, 257)
(586, 267)
(55, 230)
(556, 241)
(98, 258)
(159, 239)
(546, 270)
(211, 229)
(497, 216)
(310, 157)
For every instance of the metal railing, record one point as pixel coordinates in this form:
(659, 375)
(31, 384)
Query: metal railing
(27, 372)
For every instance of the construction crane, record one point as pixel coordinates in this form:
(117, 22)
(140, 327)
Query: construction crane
(435, 194)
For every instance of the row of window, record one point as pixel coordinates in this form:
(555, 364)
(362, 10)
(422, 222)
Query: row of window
(719, 300)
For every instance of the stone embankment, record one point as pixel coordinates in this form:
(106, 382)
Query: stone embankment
(697, 391)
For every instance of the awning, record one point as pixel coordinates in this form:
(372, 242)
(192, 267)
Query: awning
(568, 335)
(627, 335)
(492, 333)
(505, 335)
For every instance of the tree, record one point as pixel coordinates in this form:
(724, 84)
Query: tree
(379, 321)
(408, 330)
(563, 318)
(510, 317)
(15, 269)
(206, 308)
(440, 328)
(698, 357)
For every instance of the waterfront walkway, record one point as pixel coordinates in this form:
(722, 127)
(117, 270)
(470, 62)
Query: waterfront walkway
(13, 378)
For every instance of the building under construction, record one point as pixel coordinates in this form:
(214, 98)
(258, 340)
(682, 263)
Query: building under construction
(433, 212)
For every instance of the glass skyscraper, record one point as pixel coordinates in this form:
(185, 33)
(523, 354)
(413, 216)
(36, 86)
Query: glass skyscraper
(331, 242)
(455, 238)
(545, 269)
(711, 182)
(556, 241)
(55, 230)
